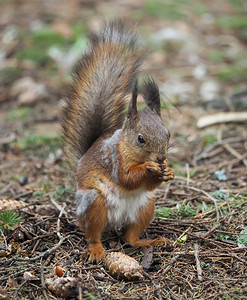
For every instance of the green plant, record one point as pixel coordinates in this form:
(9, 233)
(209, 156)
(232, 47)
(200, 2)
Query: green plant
(39, 43)
(9, 219)
(18, 113)
(216, 56)
(168, 9)
(39, 193)
(183, 239)
(221, 195)
(232, 22)
(34, 141)
(242, 239)
(9, 75)
(40, 144)
(209, 139)
(164, 212)
(61, 192)
(180, 169)
(89, 296)
(47, 186)
(46, 37)
(33, 53)
(183, 210)
(186, 211)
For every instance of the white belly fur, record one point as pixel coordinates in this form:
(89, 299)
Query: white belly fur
(123, 206)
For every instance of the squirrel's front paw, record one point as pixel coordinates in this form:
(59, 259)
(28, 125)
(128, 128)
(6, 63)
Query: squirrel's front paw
(168, 175)
(153, 168)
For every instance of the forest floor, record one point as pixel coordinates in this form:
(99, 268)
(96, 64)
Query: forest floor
(198, 56)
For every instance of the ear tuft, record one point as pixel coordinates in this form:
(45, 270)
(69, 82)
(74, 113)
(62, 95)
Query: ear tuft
(151, 95)
(132, 110)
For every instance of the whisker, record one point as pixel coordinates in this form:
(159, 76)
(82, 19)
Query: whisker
(175, 142)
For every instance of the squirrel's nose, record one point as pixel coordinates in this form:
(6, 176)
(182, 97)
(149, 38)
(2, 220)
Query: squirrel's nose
(161, 158)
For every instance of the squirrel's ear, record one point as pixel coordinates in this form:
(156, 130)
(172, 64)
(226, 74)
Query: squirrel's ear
(151, 95)
(132, 109)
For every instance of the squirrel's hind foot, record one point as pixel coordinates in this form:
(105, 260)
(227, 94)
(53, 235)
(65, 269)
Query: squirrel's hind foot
(95, 253)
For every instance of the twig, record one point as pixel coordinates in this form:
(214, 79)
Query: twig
(229, 148)
(43, 282)
(23, 194)
(209, 212)
(206, 234)
(58, 207)
(209, 196)
(35, 246)
(198, 266)
(206, 252)
(238, 258)
(203, 181)
(6, 188)
(182, 178)
(80, 287)
(173, 260)
(218, 143)
(45, 253)
(201, 191)
(222, 117)
(59, 221)
(19, 288)
(166, 190)
(188, 173)
(213, 167)
(231, 216)
(53, 249)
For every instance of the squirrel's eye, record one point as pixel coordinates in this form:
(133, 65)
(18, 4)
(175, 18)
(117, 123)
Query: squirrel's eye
(141, 139)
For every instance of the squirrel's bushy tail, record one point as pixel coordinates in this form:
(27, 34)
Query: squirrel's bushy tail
(103, 78)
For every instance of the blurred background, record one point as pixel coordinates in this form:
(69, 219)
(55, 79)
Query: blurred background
(197, 54)
(197, 50)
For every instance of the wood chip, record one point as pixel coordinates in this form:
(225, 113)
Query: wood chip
(223, 117)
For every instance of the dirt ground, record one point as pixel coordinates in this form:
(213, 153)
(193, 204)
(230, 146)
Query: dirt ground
(197, 53)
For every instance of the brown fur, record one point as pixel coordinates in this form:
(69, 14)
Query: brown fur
(94, 224)
(136, 229)
(102, 80)
(115, 157)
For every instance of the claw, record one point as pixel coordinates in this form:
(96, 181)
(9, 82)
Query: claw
(169, 175)
(153, 167)
(95, 254)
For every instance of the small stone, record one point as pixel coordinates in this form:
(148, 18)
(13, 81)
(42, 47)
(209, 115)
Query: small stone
(34, 93)
(175, 87)
(29, 276)
(21, 85)
(28, 91)
(200, 71)
(209, 90)
(63, 28)
(23, 181)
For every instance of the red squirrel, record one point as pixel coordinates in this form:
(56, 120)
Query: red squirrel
(120, 158)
